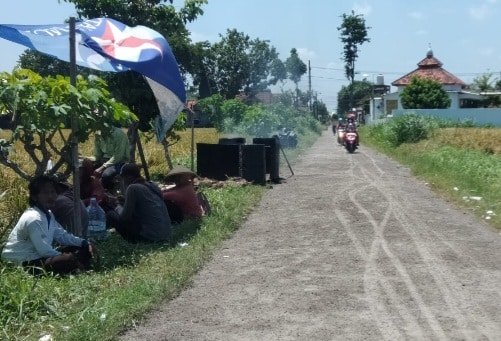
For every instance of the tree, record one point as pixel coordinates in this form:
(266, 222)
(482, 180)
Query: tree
(485, 83)
(41, 107)
(162, 16)
(355, 93)
(241, 64)
(320, 111)
(278, 71)
(203, 69)
(353, 33)
(424, 93)
(43, 64)
(295, 67)
(212, 106)
(233, 63)
(266, 68)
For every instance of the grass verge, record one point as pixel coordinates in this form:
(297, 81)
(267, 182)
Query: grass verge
(468, 176)
(128, 281)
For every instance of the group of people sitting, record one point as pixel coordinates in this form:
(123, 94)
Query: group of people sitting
(141, 214)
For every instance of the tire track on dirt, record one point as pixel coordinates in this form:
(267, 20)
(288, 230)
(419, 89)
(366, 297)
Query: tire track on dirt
(378, 310)
(444, 274)
(380, 243)
(372, 275)
(438, 271)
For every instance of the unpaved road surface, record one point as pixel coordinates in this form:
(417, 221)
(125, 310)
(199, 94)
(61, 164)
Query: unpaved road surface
(350, 248)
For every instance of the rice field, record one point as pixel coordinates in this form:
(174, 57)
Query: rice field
(486, 140)
(13, 189)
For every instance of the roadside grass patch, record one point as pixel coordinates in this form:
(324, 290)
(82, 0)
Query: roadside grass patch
(459, 163)
(129, 279)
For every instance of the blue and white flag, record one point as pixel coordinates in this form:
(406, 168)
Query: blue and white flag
(108, 45)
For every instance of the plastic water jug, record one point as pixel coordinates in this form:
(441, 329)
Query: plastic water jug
(97, 220)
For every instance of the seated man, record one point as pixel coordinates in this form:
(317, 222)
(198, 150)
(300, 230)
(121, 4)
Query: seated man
(183, 197)
(30, 243)
(64, 208)
(111, 152)
(91, 187)
(144, 216)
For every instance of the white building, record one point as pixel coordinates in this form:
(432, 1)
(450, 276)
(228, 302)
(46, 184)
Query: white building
(431, 68)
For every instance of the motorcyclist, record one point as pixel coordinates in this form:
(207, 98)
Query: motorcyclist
(352, 128)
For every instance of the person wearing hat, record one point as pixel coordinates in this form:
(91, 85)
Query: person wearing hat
(182, 198)
(144, 216)
(64, 208)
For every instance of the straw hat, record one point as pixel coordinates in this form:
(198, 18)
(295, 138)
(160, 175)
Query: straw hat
(179, 170)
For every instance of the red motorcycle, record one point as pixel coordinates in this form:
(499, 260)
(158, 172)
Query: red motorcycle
(351, 141)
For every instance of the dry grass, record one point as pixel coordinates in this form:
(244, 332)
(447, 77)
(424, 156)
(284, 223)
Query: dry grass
(13, 190)
(488, 140)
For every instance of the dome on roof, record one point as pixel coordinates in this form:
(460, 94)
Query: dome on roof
(429, 54)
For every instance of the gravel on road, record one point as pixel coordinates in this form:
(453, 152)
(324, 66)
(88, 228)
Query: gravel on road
(350, 248)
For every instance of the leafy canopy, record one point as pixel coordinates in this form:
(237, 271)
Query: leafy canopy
(424, 93)
(40, 107)
(357, 93)
(353, 34)
(238, 63)
(295, 67)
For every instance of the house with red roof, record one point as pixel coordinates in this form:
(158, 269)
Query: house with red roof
(431, 68)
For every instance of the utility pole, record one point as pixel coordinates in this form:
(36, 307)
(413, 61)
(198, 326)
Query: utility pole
(309, 83)
(77, 215)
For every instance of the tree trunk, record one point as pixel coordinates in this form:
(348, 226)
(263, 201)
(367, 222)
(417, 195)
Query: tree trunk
(133, 136)
(165, 144)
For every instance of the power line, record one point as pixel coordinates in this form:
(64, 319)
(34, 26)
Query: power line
(395, 72)
(337, 79)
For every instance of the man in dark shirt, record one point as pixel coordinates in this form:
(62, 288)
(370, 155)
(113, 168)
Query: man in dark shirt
(144, 216)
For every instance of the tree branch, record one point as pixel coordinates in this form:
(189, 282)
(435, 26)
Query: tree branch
(15, 167)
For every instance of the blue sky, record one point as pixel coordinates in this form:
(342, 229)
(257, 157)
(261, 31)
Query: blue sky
(464, 34)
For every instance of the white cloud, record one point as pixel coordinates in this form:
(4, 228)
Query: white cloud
(365, 9)
(480, 12)
(416, 15)
(421, 32)
(305, 54)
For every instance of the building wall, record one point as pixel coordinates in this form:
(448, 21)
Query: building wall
(452, 92)
(477, 115)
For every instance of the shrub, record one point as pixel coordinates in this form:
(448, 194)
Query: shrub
(258, 121)
(409, 128)
(234, 110)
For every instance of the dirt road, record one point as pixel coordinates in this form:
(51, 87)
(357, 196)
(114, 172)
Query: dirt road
(351, 248)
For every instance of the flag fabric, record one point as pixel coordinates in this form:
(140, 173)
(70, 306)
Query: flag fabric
(108, 45)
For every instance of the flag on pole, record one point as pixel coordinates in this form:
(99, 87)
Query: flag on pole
(108, 45)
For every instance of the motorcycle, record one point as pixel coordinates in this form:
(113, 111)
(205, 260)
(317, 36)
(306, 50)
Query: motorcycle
(350, 141)
(288, 138)
(341, 131)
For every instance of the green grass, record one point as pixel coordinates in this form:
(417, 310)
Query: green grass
(128, 281)
(453, 169)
